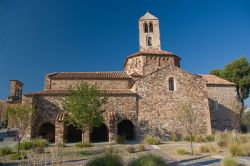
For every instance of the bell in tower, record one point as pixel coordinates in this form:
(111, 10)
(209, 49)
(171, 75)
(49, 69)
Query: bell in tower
(149, 33)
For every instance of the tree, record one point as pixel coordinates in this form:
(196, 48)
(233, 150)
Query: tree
(83, 107)
(20, 116)
(246, 119)
(186, 116)
(238, 71)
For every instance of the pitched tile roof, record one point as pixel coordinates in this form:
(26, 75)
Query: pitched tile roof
(215, 80)
(89, 75)
(51, 92)
(148, 16)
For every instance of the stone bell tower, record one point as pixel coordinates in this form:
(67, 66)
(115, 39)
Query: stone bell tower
(149, 33)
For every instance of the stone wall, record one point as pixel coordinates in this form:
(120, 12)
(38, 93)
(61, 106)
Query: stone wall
(222, 99)
(158, 106)
(102, 84)
(146, 64)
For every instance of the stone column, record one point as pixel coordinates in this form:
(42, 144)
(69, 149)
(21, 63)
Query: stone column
(112, 126)
(59, 133)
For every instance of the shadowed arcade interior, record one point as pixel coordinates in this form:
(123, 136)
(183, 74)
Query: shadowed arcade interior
(47, 131)
(74, 134)
(126, 129)
(99, 134)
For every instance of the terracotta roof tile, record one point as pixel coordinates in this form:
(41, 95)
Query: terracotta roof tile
(67, 92)
(215, 80)
(89, 75)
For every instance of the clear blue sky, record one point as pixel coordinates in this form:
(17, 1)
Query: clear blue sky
(43, 36)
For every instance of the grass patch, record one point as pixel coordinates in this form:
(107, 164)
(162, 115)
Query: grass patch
(182, 152)
(151, 140)
(148, 160)
(229, 162)
(106, 160)
(5, 150)
(82, 145)
(236, 150)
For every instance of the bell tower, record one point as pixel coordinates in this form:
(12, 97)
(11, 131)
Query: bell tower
(149, 33)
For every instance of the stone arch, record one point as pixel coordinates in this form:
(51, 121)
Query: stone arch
(99, 134)
(126, 129)
(73, 134)
(47, 131)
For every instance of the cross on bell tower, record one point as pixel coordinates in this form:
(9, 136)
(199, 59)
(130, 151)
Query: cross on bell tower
(149, 33)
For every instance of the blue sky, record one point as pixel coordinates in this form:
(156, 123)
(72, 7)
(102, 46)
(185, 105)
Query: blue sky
(43, 36)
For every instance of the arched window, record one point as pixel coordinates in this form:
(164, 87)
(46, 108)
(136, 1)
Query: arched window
(149, 41)
(171, 85)
(151, 27)
(145, 27)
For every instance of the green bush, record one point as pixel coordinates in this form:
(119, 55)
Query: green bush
(82, 145)
(106, 160)
(236, 150)
(5, 150)
(26, 145)
(229, 162)
(187, 138)
(210, 138)
(120, 139)
(34, 143)
(18, 157)
(151, 140)
(148, 160)
(182, 152)
(141, 148)
(199, 138)
(41, 143)
(174, 137)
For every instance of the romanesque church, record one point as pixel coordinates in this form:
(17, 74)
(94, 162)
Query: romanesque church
(142, 100)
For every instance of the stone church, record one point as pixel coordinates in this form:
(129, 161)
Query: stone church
(142, 100)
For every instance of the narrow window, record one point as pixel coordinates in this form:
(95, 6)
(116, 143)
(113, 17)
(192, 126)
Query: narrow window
(149, 41)
(171, 84)
(145, 27)
(151, 27)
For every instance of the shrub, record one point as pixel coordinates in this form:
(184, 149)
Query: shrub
(82, 145)
(26, 145)
(151, 140)
(210, 138)
(174, 137)
(246, 148)
(131, 149)
(182, 152)
(222, 139)
(141, 148)
(5, 150)
(229, 162)
(187, 138)
(199, 138)
(148, 160)
(120, 139)
(18, 157)
(106, 160)
(243, 139)
(204, 149)
(34, 143)
(41, 143)
(236, 150)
